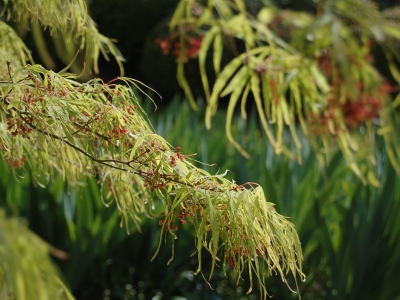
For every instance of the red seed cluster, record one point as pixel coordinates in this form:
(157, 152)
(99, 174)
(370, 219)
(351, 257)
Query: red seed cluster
(190, 46)
(153, 181)
(117, 132)
(319, 122)
(179, 154)
(111, 188)
(366, 108)
(129, 108)
(16, 162)
(172, 161)
(155, 186)
(165, 45)
(168, 225)
(50, 91)
(17, 126)
(355, 112)
(187, 213)
(190, 211)
(230, 261)
(242, 251)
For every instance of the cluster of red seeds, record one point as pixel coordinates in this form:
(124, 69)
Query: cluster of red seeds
(17, 126)
(53, 92)
(185, 213)
(230, 261)
(190, 42)
(31, 99)
(364, 108)
(16, 162)
(190, 47)
(179, 155)
(129, 108)
(168, 225)
(172, 161)
(153, 181)
(188, 212)
(117, 132)
(155, 186)
(355, 112)
(110, 187)
(242, 251)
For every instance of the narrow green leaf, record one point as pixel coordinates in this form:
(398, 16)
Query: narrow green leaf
(255, 88)
(239, 86)
(185, 85)
(68, 134)
(244, 100)
(217, 52)
(233, 83)
(220, 83)
(320, 79)
(178, 14)
(205, 46)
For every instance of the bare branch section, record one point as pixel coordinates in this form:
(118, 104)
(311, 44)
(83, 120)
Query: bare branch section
(54, 124)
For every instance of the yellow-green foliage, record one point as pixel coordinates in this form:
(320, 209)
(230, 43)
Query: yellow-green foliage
(12, 47)
(55, 124)
(26, 270)
(313, 70)
(70, 25)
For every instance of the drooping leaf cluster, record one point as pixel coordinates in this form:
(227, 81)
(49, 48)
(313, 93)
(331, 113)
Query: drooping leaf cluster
(18, 262)
(50, 123)
(55, 124)
(315, 70)
(71, 28)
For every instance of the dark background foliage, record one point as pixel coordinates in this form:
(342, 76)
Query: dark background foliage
(137, 24)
